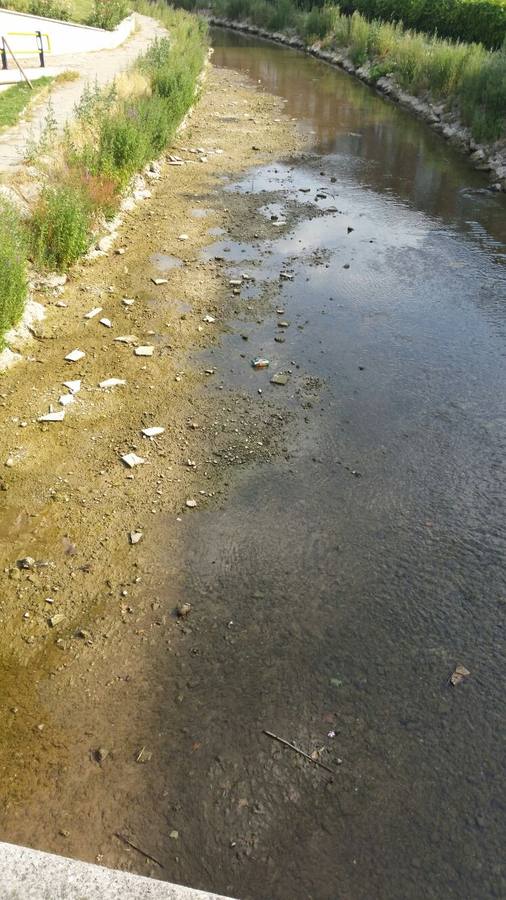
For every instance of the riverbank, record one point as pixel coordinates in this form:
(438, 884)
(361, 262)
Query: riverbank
(87, 633)
(441, 117)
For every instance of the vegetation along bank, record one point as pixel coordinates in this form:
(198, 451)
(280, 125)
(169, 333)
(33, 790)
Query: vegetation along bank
(116, 132)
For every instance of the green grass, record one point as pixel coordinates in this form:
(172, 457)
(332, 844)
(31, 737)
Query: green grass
(13, 281)
(119, 130)
(15, 99)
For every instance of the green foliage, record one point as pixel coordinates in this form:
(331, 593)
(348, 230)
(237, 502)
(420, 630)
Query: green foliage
(108, 13)
(483, 21)
(13, 254)
(60, 227)
(318, 22)
(53, 9)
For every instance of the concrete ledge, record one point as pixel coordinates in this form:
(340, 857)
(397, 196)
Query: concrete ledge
(32, 875)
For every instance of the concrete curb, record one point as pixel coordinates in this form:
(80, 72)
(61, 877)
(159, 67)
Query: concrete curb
(32, 875)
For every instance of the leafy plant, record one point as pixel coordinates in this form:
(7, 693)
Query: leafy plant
(13, 255)
(108, 13)
(60, 227)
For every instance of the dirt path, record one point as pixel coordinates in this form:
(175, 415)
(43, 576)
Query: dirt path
(100, 67)
(82, 751)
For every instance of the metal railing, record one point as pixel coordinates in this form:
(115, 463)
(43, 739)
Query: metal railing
(5, 48)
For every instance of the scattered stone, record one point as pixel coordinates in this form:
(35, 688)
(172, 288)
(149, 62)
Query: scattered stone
(111, 382)
(106, 322)
(159, 281)
(279, 339)
(119, 251)
(75, 356)
(152, 432)
(128, 301)
(286, 276)
(259, 362)
(126, 339)
(174, 835)
(183, 610)
(457, 677)
(235, 282)
(73, 386)
(283, 324)
(53, 416)
(209, 319)
(93, 312)
(183, 237)
(56, 619)
(131, 460)
(135, 536)
(101, 754)
(349, 229)
(346, 266)
(65, 399)
(146, 350)
(191, 504)
(27, 562)
(279, 378)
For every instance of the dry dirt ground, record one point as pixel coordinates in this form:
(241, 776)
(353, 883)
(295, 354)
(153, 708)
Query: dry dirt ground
(77, 697)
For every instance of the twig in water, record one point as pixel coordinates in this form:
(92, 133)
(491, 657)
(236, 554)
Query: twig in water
(134, 847)
(316, 762)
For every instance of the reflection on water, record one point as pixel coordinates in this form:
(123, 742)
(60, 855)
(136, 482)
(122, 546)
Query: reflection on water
(339, 586)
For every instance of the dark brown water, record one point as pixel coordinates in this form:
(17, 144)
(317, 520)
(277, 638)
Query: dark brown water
(333, 602)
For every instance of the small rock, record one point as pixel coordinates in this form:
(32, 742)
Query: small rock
(279, 378)
(158, 281)
(111, 382)
(146, 350)
(135, 536)
(259, 363)
(73, 386)
(152, 432)
(184, 610)
(101, 754)
(106, 323)
(131, 460)
(75, 356)
(144, 756)
(56, 619)
(93, 312)
(53, 416)
(457, 677)
(191, 504)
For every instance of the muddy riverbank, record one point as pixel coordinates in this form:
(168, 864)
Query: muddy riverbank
(79, 621)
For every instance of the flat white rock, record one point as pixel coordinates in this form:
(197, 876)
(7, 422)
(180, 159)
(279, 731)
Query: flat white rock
(106, 322)
(128, 301)
(191, 504)
(135, 537)
(65, 399)
(147, 350)
(183, 237)
(160, 280)
(75, 355)
(131, 460)
(53, 417)
(126, 339)
(73, 386)
(93, 312)
(209, 319)
(153, 432)
(111, 382)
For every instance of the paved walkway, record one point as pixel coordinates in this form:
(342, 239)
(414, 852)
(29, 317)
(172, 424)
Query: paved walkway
(31, 875)
(101, 66)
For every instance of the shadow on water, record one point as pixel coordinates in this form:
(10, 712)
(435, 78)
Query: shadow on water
(340, 585)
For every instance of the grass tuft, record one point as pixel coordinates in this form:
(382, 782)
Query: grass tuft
(13, 256)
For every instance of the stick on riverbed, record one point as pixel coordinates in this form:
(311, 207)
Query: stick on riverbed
(316, 762)
(135, 847)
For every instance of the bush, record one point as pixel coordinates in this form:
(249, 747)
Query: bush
(53, 9)
(108, 13)
(481, 21)
(13, 282)
(60, 227)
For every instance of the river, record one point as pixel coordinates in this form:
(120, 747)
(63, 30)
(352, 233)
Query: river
(343, 583)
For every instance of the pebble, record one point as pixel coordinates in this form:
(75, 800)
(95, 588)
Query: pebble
(191, 504)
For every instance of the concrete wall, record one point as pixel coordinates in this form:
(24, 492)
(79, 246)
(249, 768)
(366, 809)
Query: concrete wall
(31, 875)
(58, 37)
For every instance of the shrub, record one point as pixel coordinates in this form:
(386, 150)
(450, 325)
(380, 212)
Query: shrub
(108, 13)
(13, 282)
(53, 9)
(60, 227)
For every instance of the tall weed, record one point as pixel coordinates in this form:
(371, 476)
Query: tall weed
(13, 256)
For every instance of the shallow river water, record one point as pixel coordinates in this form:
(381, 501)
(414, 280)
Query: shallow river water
(341, 584)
